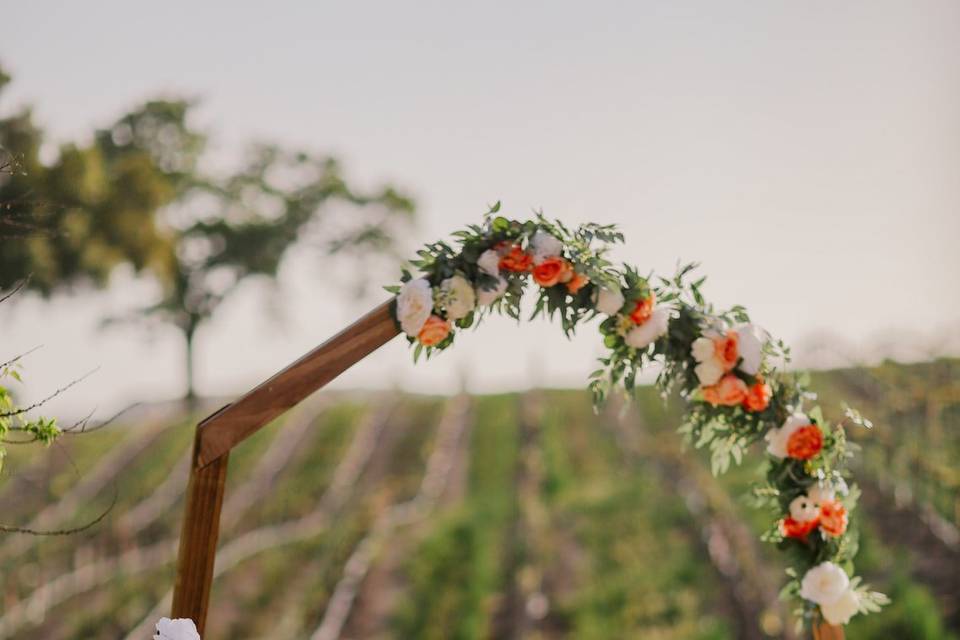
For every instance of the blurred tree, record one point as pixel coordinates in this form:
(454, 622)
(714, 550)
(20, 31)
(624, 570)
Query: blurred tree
(136, 195)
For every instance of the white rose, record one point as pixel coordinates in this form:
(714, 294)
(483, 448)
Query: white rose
(646, 333)
(414, 305)
(177, 629)
(703, 349)
(842, 609)
(709, 372)
(819, 494)
(486, 297)
(824, 584)
(458, 296)
(609, 301)
(804, 509)
(778, 436)
(543, 246)
(489, 262)
(751, 341)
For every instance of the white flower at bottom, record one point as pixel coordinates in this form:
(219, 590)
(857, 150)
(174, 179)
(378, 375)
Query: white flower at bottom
(609, 301)
(176, 629)
(414, 305)
(489, 262)
(486, 297)
(842, 609)
(778, 437)
(646, 333)
(458, 297)
(824, 584)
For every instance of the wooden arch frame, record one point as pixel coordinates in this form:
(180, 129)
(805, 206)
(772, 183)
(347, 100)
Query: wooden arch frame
(220, 432)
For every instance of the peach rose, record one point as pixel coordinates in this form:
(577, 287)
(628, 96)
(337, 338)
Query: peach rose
(791, 528)
(758, 396)
(726, 349)
(549, 271)
(805, 442)
(566, 272)
(577, 282)
(833, 518)
(644, 309)
(730, 391)
(434, 331)
(516, 259)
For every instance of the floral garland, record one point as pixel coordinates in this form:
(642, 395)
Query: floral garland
(730, 372)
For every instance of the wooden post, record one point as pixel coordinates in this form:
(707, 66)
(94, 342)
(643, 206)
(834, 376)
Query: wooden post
(220, 432)
(198, 538)
(825, 631)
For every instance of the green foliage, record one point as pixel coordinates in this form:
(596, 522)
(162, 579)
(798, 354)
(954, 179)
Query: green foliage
(139, 194)
(17, 426)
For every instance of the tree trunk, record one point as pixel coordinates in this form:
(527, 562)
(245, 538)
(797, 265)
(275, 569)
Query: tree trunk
(189, 332)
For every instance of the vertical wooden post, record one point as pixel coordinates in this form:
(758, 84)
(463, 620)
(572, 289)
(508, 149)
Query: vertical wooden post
(198, 538)
(825, 631)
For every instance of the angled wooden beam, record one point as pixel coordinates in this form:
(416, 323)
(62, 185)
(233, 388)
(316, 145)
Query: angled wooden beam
(824, 631)
(226, 428)
(237, 421)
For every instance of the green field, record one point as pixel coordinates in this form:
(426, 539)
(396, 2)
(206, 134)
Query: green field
(538, 519)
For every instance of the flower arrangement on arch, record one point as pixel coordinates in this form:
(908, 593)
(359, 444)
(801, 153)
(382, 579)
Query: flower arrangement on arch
(731, 373)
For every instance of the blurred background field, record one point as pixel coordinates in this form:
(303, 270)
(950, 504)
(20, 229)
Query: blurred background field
(392, 515)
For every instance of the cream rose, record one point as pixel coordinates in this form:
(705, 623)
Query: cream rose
(709, 372)
(458, 296)
(842, 609)
(543, 246)
(489, 262)
(818, 494)
(803, 509)
(176, 629)
(646, 333)
(414, 305)
(824, 584)
(702, 349)
(750, 345)
(778, 437)
(609, 301)
(486, 297)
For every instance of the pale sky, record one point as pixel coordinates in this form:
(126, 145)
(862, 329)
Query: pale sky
(807, 153)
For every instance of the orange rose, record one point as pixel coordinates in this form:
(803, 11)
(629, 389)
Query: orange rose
(577, 282)
(434, 331)
(548, 273)
(644, 309)
(730, 391)
(833, 518)
(516, 260)
(791, 528)
(805, 442)
(727, 349)
(758, 396)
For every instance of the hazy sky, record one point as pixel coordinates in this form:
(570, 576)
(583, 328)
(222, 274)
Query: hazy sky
(807, 153)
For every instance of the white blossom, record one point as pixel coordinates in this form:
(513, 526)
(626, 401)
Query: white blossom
(703, 349)
(751, 339)
(176, 629)
(544, 245)
(842, 609)
(824, 584)
(804, 509)
(709, 372)
(459, 298)
(609, 301)
(414, 305)
(646, 333)
(489, 262)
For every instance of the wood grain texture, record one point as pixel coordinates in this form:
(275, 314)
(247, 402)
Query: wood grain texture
(824, 631)
(232, 424)
(198, 539)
